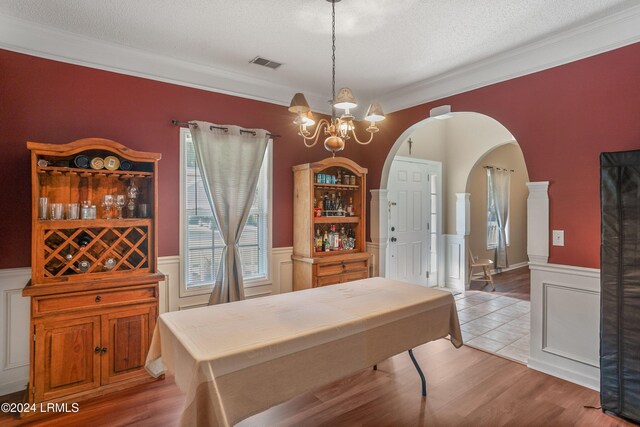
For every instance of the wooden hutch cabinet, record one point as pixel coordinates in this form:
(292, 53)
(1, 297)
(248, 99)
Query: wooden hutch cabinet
(94, 284)
(325, 204)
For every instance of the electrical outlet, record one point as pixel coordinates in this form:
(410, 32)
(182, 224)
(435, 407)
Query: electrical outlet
(558, 237)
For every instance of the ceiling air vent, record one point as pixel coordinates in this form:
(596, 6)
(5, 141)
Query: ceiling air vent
(265, 62)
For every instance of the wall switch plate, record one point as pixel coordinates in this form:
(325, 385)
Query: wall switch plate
(558, 237)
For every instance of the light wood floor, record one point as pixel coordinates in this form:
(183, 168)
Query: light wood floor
(466, 387)
(515, 283)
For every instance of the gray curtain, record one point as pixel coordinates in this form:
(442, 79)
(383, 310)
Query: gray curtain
(229, 163)
(499, 188)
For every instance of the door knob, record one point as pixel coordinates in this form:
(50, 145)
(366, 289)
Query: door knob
(393, 229)
(393, 239)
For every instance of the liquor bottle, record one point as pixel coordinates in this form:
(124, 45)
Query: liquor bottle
(334, 204)
(325, 242)
(350, 211)
(318, 241)
(343, 239)
(352, 239)
(325, 204)
(340, 206)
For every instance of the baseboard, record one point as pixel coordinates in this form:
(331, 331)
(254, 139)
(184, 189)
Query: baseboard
(566, 374)
(12, 387)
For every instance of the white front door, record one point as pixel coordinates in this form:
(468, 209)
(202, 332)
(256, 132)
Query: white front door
(413, 221)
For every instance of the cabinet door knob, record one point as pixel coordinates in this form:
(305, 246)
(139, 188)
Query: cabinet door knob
(98, 298)
(97, 350)
(103, 350)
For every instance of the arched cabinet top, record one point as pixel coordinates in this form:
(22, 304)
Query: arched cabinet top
(87, 144)
(342, 162)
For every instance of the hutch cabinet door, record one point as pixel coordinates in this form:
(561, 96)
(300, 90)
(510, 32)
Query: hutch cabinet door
(67, 356)
(127, 336)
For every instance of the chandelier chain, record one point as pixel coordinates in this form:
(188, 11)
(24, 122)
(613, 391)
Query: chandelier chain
(333, 59)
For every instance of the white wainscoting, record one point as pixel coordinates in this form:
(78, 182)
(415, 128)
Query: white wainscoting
(456, 265)
(565, 322)
(14, 330)
(282, 270)
(14, 309)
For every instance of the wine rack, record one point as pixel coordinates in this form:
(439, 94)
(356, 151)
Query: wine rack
(107, 249)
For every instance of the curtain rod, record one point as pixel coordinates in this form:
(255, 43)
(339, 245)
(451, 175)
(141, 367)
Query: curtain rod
(500, 169)
(179, 123)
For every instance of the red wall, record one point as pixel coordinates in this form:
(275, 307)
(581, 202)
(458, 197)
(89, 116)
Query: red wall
(49, 101)
(562, 118)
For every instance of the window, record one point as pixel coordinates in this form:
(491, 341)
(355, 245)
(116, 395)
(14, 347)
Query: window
(201, 242)
(492, 219)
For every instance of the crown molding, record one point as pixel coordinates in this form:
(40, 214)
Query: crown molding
(602, 35)
(608, 33)
(46, 42)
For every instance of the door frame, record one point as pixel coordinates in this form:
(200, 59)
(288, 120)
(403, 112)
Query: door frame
(439, 236)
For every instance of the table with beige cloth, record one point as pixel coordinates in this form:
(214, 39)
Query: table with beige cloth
(237, 359)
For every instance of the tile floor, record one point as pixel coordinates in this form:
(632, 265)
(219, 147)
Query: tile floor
(495, 323)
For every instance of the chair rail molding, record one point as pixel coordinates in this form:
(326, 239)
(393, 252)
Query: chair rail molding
(538, 222)
(565, 322)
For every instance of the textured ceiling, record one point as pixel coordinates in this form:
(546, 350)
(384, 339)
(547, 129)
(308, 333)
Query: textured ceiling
(382, 45)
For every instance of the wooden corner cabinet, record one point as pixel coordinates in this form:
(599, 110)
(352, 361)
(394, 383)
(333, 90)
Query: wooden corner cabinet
(329, 223)
(94, 284)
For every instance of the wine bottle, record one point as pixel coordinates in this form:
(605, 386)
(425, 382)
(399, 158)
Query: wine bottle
(83, 239)
(318, 240)
(325, 242)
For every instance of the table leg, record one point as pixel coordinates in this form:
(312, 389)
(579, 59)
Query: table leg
(424, 381)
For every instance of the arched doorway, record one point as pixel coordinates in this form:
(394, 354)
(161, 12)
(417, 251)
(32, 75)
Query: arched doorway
(460, 141)
(466, 143)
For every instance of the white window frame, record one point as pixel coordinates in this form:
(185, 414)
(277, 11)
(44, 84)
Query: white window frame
(206, 289)
(507, 227)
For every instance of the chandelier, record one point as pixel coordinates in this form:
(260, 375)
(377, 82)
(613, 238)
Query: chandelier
(339, 129)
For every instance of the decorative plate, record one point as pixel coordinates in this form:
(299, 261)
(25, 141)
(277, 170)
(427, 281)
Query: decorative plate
(97, 163)
(126, 165)
(111, 162)
(81, 161)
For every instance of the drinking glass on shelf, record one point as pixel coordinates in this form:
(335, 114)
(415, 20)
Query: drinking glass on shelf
(107, 204)
(72, 211)
(56, 210)
(143, 210)
(121, 202)
(43, 208)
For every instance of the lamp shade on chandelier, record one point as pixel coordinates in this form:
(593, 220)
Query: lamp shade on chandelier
(340, 128)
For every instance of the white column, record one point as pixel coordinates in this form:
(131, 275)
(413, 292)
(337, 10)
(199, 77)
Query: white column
(538, 222)
(379, 221)
(463, 214)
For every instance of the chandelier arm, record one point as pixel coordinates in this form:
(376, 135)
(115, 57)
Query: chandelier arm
(353, 132)
(316, 134)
